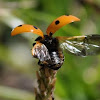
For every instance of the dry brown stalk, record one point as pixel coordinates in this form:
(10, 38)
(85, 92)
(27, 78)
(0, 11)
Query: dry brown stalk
(46, 79)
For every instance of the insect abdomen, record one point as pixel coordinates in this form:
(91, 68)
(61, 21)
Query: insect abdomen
(57, 59)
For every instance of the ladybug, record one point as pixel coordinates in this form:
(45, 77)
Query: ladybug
(49, 49)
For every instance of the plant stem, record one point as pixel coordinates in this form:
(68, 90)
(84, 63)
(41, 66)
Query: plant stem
(46, 79)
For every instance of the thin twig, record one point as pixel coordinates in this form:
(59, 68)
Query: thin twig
(46, 79)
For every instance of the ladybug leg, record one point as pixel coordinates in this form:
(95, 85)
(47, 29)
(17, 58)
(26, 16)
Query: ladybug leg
(48, 65)
(40, 64)
(33, 44)
(54, 68)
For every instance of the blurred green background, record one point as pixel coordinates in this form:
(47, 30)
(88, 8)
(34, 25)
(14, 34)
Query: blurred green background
(78, 79)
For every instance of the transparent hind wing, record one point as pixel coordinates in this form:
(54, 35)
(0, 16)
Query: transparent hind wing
(81, 45)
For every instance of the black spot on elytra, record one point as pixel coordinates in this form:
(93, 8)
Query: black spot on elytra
(19, 25)
(57, 22)
(35, 27)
